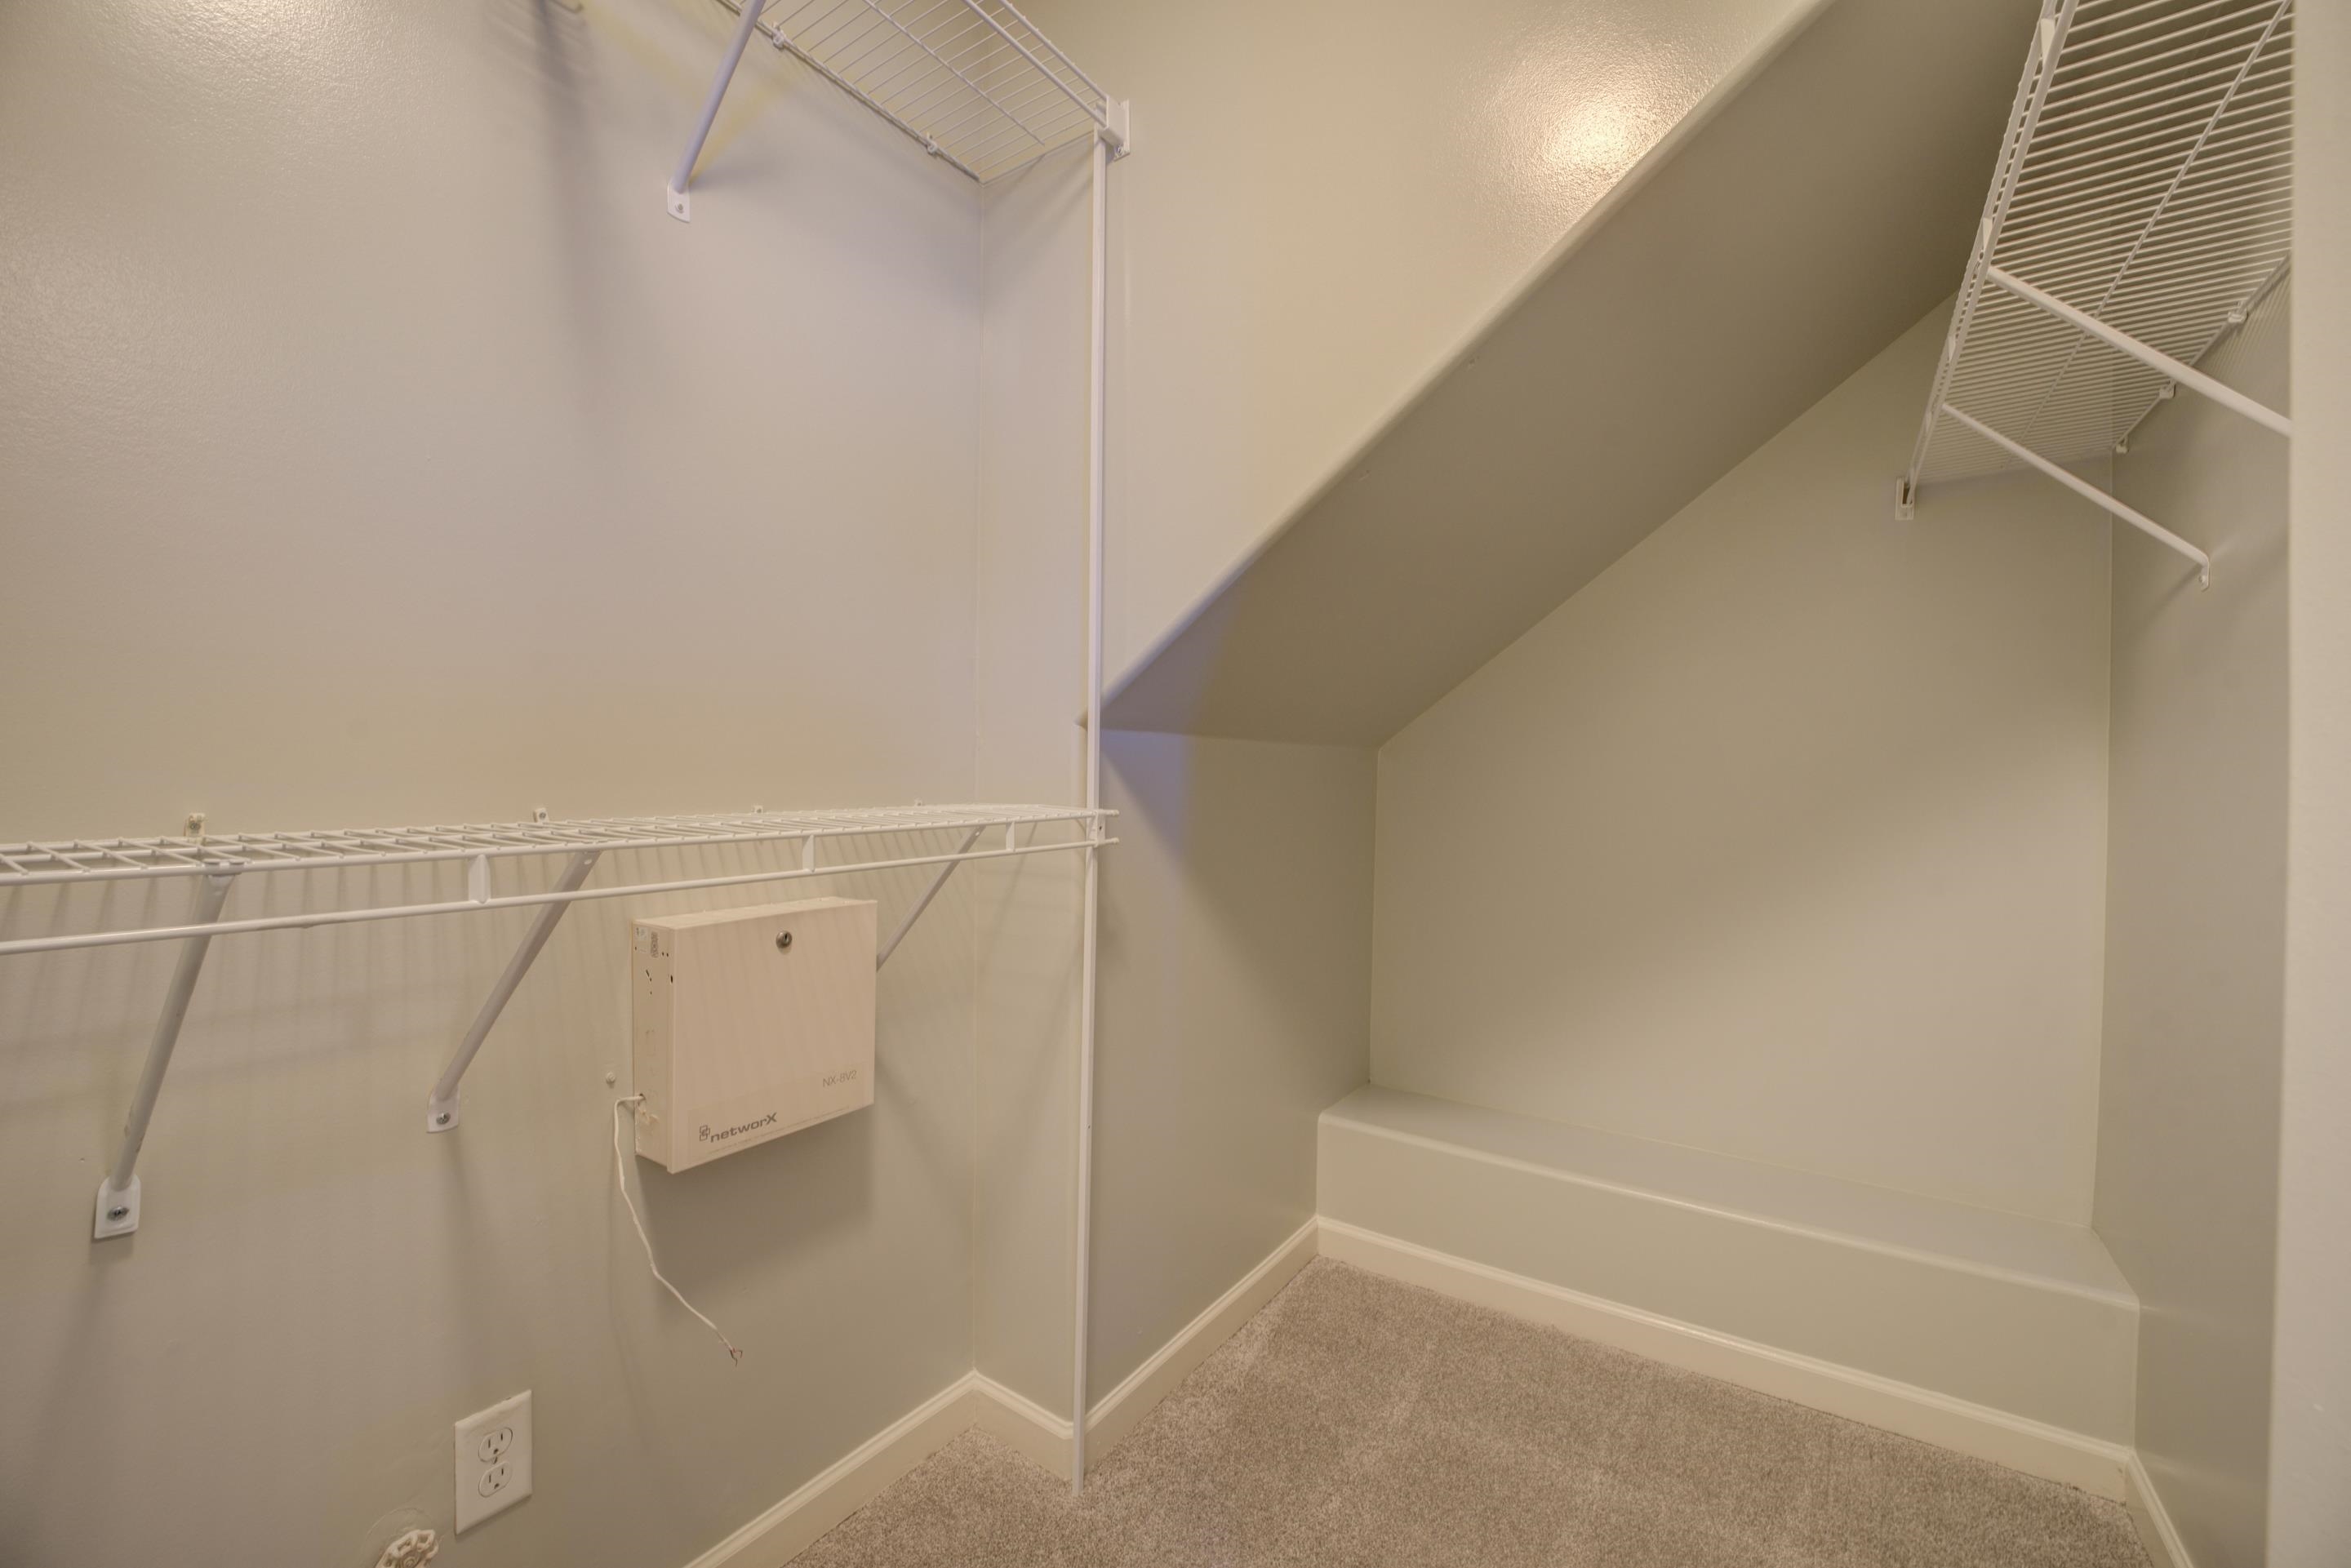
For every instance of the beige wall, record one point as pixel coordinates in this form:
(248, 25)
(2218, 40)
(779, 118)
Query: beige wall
(373, 447)
(1320, 209)
(1335, 195)
(1785, 838)
(1236, 948)
(2186, 1192)
(2310, 1445)
(1235, 973)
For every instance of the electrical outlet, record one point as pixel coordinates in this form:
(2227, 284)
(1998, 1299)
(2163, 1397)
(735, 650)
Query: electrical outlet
(493, 1459)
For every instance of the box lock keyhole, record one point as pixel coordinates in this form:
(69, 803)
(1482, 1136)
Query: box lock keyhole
(784, 943)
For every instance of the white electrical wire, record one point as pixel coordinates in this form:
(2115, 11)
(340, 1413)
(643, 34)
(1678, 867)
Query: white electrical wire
(621, 1178)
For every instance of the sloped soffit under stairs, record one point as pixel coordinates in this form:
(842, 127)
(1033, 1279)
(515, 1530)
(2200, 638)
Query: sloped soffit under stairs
(1806, 214)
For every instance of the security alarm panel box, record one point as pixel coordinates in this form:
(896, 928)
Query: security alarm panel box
(751, 1024)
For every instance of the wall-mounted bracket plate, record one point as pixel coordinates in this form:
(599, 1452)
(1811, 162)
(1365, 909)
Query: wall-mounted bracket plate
(118, 1212)
(680, 203)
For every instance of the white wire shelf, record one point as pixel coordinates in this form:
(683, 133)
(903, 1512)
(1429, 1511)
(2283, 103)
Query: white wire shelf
(101, 860)
(481, 845)
(972, 81)
(2142, 206)
(218, 862)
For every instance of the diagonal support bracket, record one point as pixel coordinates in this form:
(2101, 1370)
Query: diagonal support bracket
(679, 202)
(924, 903)
(2090, 493)
(117, 1194)
(441, 1108)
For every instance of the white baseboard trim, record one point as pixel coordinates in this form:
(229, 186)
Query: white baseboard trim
(1045, 1437)
(1116, 1413)
(2107, 1469)
(2156, 1534)
(1021, 1423)
(783, 1531)
(2035, 1448)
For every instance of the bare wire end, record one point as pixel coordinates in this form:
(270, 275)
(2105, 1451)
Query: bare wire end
(621, 1179)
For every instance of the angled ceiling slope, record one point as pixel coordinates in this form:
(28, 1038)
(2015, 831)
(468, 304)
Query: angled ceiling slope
(1798, 221)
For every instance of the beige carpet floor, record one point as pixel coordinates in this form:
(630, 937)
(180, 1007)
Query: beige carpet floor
(1358, 1421)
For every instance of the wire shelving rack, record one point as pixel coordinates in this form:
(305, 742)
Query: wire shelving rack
(216, 865)
(2142, 207)
(982, 89)
(85, 861)
(972, 81)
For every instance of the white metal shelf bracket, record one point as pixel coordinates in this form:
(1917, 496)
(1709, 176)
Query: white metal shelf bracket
(118, 1194)
(441, 1110)
(930, 893)
(681, 205)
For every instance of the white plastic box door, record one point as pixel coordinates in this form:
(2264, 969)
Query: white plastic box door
(751, 1024)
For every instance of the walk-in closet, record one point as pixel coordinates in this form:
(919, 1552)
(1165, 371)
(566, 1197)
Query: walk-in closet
(1554, 784)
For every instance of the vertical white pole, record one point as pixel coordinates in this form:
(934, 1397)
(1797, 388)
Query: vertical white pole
(1096, 464)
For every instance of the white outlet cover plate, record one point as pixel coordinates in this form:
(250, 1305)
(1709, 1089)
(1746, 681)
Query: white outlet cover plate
(493, 1459)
